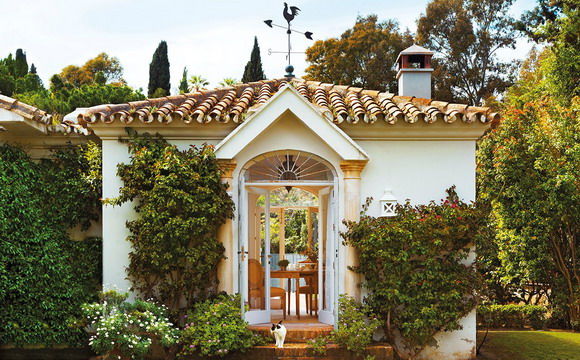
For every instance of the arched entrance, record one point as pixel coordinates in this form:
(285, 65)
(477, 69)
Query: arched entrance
(270, 292)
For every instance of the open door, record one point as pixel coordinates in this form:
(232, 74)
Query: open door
(326, 256)
(254, 256)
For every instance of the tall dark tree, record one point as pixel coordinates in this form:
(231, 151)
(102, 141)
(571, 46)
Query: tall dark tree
(159, 70)
(183, 88)
(466, 36)
(20, 64)
(253, 70)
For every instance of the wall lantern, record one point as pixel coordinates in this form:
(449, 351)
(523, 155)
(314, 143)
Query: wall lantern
(388, 203)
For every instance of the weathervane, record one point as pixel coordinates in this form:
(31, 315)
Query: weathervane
(289, 16)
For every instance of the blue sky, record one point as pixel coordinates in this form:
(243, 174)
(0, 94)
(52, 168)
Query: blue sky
(213, 38)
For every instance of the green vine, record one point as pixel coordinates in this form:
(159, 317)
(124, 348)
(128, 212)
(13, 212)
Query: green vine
(44, 275)
(181, 203)
(416, 270)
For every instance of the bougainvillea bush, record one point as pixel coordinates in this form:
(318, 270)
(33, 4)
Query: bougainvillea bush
(127, 329)
(216, 328)
(417, 268)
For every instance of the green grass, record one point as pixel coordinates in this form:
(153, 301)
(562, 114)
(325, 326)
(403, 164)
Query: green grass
(531, 345)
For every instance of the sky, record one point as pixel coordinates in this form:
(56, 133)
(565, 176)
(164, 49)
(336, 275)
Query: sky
(212, 38)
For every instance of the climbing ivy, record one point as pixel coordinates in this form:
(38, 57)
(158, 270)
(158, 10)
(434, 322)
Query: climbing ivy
(44, 275)
(415, 269)
(181, 203)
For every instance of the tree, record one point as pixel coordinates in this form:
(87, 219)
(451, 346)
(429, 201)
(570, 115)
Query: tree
(253, 70)
(363, 56)
(529, 171)
(183, 83)
(159, 70)
(466, 35)
(110, 67)
(33, 69)
(20, 64)
(228, 82)
(557, 22)
(197, 82)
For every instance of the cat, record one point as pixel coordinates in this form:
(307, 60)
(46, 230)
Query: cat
(279, 332)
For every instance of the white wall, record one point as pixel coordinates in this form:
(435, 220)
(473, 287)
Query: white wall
(116, 248)
(420, 171)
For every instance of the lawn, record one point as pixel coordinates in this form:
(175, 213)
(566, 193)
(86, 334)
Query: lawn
(530, 345)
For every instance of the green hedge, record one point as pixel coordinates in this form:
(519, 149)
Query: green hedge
(512, 316)
(44, 275)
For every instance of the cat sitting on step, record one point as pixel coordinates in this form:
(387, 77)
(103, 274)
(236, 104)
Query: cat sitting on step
(279, 332)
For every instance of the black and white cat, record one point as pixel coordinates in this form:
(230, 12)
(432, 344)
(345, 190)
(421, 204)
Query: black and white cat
(279, 332)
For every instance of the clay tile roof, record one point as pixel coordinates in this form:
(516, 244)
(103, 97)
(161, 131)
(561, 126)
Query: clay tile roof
(26, 111)
(338, 103)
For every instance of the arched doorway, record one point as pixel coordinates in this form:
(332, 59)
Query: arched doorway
(269, 292)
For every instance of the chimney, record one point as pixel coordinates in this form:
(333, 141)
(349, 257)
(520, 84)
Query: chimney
(414, 75)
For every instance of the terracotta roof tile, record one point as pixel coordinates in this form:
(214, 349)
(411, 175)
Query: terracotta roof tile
(26, 111)
(339, 103)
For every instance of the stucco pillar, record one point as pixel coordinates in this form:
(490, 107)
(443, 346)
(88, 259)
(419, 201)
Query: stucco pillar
(352, 207)
(225, 269)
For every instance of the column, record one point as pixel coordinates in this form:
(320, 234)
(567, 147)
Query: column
(352, 206)
(225, 271)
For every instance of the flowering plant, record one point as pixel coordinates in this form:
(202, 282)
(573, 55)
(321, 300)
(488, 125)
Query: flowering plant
(216, 328)
(417, 268)
(127, 329)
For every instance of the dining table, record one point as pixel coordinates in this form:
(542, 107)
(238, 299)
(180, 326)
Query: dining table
(296, 275)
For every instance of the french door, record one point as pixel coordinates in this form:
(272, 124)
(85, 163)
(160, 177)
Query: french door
(327, 256)
(254, 255)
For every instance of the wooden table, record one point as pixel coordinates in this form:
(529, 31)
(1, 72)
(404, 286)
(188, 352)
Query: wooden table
(293, 274)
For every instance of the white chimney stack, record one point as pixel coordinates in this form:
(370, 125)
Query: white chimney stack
(414, 75)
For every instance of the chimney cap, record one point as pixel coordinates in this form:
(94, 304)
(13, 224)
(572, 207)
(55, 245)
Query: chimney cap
(414, 50)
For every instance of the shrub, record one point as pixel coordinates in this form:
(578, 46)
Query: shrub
(182, 203)
(216, 328)
(129, 329)
(512, 316)
(44, 275)
(416, 268)
(318, 344)
(356, 327)
(575, 325)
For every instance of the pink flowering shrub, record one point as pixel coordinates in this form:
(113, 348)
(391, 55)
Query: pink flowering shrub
(417, 270)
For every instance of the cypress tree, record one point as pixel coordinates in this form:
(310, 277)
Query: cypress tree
(183, 84)
(33, 69)
(159, 70)
(20, 64)
(253, 70)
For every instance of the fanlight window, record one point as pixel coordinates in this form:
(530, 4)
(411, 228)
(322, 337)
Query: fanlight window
(288, 166)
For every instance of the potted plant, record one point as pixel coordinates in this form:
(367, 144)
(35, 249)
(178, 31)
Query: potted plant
(283, 263)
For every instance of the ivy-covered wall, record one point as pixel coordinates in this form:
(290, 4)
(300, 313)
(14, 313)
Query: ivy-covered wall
(44, 275)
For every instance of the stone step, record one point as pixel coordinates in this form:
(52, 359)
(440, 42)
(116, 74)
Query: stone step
(295, 332)
(300, 351)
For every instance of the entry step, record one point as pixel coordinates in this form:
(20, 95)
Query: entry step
(296, 332)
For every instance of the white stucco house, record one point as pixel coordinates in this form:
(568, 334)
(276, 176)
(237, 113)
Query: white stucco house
(342, 144)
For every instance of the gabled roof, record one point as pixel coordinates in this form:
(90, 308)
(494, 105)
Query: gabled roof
(289, 100)
(338, 103)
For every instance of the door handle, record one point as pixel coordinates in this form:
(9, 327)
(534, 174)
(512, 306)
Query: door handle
(243, 253)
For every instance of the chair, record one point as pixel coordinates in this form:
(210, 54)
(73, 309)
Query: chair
(256, 285)
(311, 293)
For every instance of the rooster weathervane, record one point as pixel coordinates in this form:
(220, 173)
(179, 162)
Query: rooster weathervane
(289, 16)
